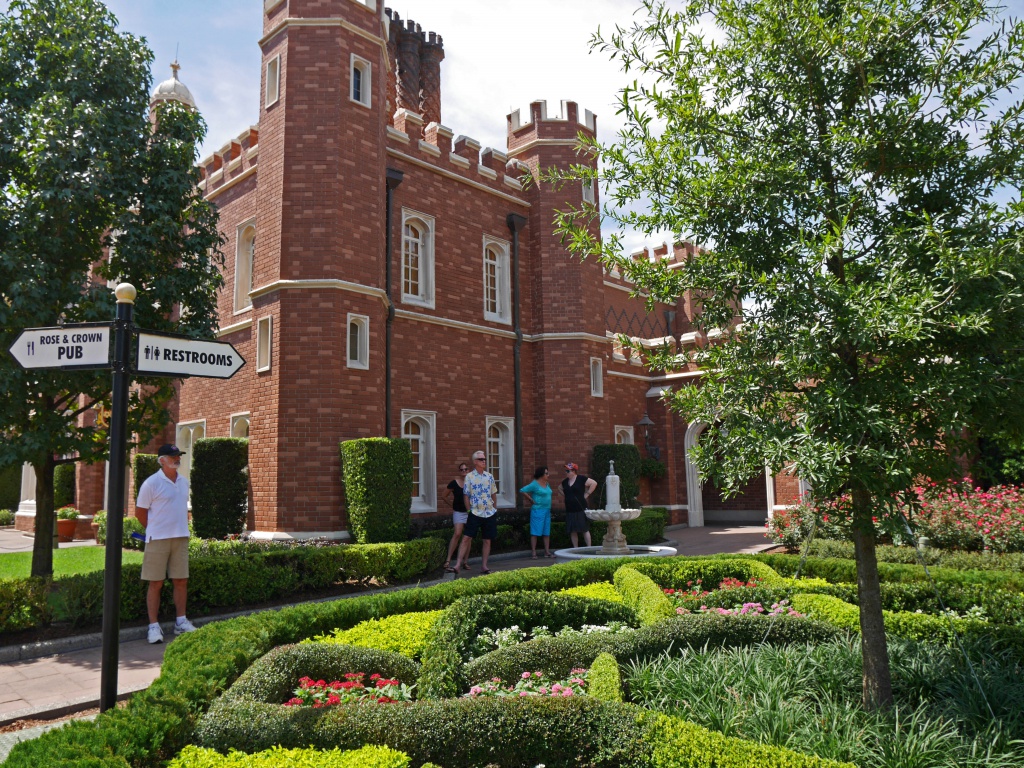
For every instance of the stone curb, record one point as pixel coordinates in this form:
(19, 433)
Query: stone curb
(69, 707)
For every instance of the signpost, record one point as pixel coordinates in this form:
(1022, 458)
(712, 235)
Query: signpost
(73, 346)
(87, 345)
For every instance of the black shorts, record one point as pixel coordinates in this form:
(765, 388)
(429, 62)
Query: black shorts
(489, 526)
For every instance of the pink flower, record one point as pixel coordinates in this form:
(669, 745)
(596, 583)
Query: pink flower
(566, 692)
(525, 675)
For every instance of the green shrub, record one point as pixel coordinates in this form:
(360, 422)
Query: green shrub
(641, 594)
(458, 733)
(558, 656)
(67, 513)
(10, 486)
(886, 553)
(648, 528)
(600, 590)
(449, 639)
(23, 604)
(64, 485)
(404, 633)
(678, 744)
(378, 488)
(679, 573)
(273, 678)
(220, 486)
(6, 517)
(604, 682)
(129, 526)
(627, 467)
(652, 469)
(143, 465)
(509, 539)
(276, 757)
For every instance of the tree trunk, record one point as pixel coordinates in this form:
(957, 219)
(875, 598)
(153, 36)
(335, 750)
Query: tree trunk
(45, 540)
(877, 677)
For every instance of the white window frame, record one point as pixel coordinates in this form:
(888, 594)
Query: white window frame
(273, 87)
(426, 501)
(590, 191)
(264, 343)
(365, 69)
(502, 272)
(362, 359)
(245, 256)
(237, 418)
(185, 468)
(596, 377)
(506, 458)
(620, 429)
(425, 295)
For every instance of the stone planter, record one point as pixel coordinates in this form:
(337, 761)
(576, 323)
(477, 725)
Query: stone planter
(66, 530)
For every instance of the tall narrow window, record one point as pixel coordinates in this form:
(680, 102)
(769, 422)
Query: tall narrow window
(497, 299)
(273, 92)
(240, 425)
(358, 341)
(590, 191)
(418, 427)
(417, 259)
(361, 81)
(264, 328)
(185, 436)
(500, 460)
(596, 379)
(245, 252)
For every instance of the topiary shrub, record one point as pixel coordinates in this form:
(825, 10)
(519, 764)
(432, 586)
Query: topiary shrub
(641, 594)
(627, 467)
(220, 486)
(604, 682)
(64, 485)
(377, 474)
(143, 465)
(679, 573)
(10, 487)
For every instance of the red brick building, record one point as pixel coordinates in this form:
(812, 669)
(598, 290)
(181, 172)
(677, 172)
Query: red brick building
(385, 276)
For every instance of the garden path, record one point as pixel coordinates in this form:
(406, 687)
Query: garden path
(54, 685)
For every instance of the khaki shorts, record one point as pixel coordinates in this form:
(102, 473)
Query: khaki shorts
(165, 558)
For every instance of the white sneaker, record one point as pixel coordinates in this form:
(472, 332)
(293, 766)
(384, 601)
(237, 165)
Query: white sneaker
(181, 627)
(156, 635)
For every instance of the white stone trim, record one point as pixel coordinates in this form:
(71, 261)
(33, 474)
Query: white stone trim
(365, 69)
(185, 468)
(240, 293)
(397, 135)
(430, 149)
(27, 504)
(596, 381)
(426, 293)
(318, 22)
(268, 323)
(486, 172)
(458, 160)
(456, 177)
(543, 143)
(247, 323)
(362, 360)
(503, 275)
(628, 429)
(770, 488)
(299, 535)
(275, 63)
(427, 500)
(316, 285)
(434, 320)
(233, 417)
(694, 482)
(230, 183)
(570, 336)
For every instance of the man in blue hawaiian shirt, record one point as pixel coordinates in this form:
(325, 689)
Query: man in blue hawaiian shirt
(482, 499)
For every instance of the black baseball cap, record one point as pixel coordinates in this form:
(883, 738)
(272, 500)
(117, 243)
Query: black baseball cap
(170, 450)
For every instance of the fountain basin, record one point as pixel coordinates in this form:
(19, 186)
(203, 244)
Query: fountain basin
(635, 550)
(607, 515)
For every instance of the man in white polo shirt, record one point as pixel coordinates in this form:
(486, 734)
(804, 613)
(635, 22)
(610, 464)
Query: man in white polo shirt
(161, 505)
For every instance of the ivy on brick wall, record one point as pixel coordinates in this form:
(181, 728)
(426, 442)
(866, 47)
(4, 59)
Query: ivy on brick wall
(377, 473)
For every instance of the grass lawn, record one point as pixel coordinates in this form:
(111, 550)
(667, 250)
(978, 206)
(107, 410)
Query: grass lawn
(66, 562)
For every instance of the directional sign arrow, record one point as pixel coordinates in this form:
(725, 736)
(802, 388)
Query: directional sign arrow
(78, 345)
(164, 355)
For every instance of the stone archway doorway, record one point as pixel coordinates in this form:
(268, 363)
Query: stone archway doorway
(752, 505)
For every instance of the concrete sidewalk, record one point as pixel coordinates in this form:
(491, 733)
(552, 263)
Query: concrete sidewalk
(71, 681)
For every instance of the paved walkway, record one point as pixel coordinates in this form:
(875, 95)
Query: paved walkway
(69, 681)
(16, 541)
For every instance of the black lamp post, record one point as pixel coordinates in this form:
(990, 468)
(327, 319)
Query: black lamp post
(645, 425)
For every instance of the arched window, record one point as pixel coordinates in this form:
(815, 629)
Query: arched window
(245, 253)
(623, 435)
(185, 438)
(417, 259)
(501, 459)
(497, 302)
(418, 429)
(360, 91)
(240, 425)
(358, 341)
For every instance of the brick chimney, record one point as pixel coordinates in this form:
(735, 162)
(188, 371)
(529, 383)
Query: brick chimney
(430, 78)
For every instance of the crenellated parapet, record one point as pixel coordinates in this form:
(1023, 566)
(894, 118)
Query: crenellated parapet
(229, 164)
(537, 127)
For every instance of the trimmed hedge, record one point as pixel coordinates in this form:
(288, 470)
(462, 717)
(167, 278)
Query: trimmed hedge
(448, 643)
(640, 593)
(558, 656)
(23, 604)
(10, 487)
(887, 553)
(679, 744)
(143, 465)
(220, 486)
(404, 633)
(604, 682)
(514, 732)
(377, 475)
(921, 627)
(273, 678)
(599, 590)
(276, 757)
(64, 485)
(679, 573)
(627, 467)
(129, 525)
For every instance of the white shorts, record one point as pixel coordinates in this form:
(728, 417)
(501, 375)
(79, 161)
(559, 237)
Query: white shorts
(460, 518)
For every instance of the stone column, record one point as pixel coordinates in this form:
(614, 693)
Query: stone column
(28, 489)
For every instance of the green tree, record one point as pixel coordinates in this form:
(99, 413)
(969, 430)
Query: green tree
(79, 160)
(846, 166)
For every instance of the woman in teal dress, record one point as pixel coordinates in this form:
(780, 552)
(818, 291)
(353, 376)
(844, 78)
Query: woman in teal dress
(539, 494)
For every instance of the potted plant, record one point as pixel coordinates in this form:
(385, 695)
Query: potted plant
(99, 519)
(67, 522)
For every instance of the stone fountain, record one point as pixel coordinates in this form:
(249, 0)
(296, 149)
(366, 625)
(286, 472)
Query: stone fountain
(614, 542)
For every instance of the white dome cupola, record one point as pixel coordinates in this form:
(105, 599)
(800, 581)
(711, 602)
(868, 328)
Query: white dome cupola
(173, 89)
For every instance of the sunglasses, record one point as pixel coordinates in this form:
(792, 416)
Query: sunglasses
(481, 458)
(463, 469)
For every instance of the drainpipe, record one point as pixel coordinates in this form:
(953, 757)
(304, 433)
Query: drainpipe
(394, 178)
(515, 224)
